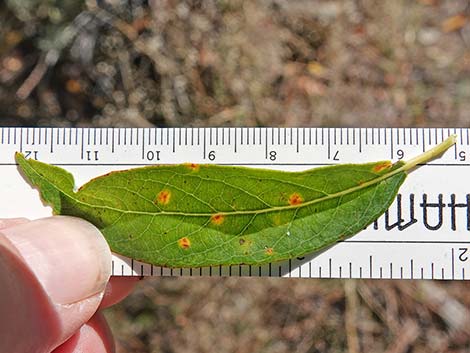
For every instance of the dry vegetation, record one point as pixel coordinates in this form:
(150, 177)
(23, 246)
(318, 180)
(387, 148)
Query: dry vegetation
(252, 63)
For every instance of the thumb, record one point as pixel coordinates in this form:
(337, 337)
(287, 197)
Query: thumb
(53, 273)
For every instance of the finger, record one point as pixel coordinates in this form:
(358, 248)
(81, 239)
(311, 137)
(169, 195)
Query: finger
(117, 289)
(93, 337)
(10, 222)
(53, 273)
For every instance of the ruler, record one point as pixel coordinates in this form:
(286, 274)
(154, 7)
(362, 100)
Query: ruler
(425, 234)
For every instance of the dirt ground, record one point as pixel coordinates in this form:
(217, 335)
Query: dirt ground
(252, 63)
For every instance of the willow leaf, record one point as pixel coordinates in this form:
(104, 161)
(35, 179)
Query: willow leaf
(190, 215)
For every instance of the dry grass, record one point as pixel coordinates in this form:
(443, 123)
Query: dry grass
(253, 63)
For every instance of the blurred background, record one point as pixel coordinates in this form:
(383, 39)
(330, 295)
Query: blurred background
(162, 63)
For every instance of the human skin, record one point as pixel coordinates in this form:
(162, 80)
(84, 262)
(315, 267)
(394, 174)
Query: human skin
(55, 280)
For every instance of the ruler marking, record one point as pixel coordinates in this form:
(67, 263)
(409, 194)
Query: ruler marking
(204, 146)
(266, 143)
(411, 268)
(360, 141)
(21, 140)
(328, 144)
(453, 263)
(298, 140)
(143, 144)
(82, 144)
(235, 139)
(52, 140)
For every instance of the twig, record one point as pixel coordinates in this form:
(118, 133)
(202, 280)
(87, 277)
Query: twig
(404, 338)
(351, 318)
(33, 79)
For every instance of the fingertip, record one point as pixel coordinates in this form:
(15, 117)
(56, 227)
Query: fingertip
(117, 289)
(69, 256)
(93, 337)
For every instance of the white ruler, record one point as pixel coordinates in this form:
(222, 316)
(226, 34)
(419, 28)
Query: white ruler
(424, 235)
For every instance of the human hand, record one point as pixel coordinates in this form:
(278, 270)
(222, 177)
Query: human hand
(54, 278)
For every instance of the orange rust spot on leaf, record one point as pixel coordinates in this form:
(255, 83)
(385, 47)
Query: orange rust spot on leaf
(163, 197)
(184, 243)
(217, 219)
(269, 251)
(193, 166)
(382, 166)
(295, 199)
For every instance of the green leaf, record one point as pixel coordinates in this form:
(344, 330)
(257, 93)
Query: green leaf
(191, 215)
